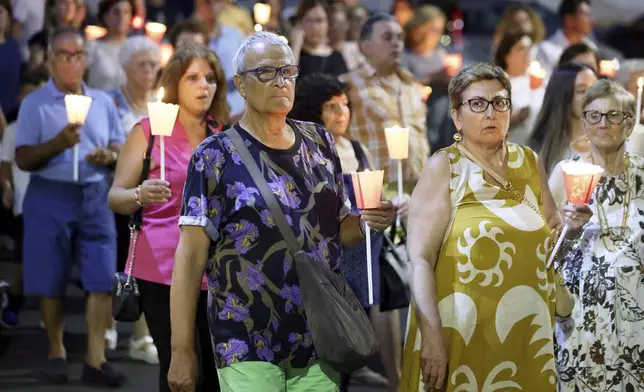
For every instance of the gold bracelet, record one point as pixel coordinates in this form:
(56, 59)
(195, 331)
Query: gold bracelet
(137, 196)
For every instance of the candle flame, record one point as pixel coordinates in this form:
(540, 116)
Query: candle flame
(137, 22)
(262, 13)
(640, 82)
(258, 28)
(160, 94)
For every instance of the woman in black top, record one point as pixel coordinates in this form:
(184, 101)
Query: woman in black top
(310, 44)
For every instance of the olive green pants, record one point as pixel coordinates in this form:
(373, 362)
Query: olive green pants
(266, 377)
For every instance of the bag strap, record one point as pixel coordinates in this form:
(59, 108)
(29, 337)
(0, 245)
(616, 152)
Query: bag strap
(268, 195)
(136, 219)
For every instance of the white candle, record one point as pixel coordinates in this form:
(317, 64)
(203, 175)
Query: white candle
(155, 31)
(580, 180)
(76, 162)
(162, 118)
(638, 107)
(76, 107)
(367, 187)
(369, 267)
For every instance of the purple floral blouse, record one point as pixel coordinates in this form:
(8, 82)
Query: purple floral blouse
(256, 311)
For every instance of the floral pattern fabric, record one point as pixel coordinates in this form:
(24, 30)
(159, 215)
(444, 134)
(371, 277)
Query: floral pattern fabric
(600, 346)
(256, 311)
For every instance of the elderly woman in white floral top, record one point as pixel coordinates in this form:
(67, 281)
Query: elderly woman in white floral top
(600, 346)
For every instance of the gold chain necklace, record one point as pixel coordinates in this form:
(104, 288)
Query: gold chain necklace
(603, 217)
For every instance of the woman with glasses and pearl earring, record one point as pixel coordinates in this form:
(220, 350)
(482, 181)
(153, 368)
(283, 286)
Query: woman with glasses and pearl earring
(481, 222)
(600, 343)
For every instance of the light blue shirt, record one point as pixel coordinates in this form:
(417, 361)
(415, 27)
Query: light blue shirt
(226, 45)
(42, 116)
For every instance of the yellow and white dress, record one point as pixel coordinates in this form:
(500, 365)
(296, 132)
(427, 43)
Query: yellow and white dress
(495, 296)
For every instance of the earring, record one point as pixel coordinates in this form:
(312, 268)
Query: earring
(458, 136)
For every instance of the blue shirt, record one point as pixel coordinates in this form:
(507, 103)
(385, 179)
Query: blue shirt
(10, 69)
(226, 45)
(42, 116)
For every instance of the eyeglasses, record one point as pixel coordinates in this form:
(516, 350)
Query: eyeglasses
(480, 105)
(614, 117)
(67, 57)
(268, 73)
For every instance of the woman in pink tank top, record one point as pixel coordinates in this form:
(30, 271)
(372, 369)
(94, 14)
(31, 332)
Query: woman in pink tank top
(195, 81)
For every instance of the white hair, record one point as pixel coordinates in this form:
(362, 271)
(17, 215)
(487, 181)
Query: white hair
(239, 60)
(628, 67)
(137, 44)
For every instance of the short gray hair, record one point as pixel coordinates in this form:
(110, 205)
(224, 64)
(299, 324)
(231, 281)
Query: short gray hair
(628, 67)
(239, 60)
(605, 88)
(137, 44)
(472, 74)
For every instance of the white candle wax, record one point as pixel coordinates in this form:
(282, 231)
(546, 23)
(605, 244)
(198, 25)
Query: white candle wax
(397, 140)
(638, 107)
(369, 268)
(77, 108)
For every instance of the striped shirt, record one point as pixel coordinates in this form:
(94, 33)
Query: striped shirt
(381, 102)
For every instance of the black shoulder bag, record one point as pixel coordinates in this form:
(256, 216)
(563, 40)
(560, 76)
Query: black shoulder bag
(126, 304)
(342, 334)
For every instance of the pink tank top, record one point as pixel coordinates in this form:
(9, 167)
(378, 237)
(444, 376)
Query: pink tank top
(159, 235)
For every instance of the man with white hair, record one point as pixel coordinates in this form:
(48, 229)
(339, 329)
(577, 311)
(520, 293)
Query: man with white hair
(259, 330)
(66, 220)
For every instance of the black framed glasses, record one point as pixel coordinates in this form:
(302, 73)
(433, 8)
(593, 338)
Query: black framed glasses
(480, 105)
(268, 73)
(615, 117)
(68, 57)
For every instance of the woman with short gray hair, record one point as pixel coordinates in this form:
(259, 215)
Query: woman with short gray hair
(600, 343)
(140, 59)
(256, 311)
(481, 222)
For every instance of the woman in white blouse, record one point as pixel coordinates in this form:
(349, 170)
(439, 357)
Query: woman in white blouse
(104, 70)
(513, 55)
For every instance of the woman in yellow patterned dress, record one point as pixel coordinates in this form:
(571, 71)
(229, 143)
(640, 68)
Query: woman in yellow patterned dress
(483, 303)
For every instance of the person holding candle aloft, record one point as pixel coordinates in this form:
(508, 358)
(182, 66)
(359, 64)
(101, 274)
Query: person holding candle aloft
(321, 99)
(257, 321)
(382, 94)
(193, 80)
(481, 225)
(140, 59)
(69, 220)
(604, 270)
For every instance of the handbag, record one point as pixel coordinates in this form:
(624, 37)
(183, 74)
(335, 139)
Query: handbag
(126, 301)
(340, 329)
(564, 299)
(394, 272)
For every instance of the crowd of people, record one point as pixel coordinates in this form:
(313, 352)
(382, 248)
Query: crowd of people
(482, 203)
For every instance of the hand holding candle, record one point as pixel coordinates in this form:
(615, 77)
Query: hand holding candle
(162, 118)
(367, 187)
(580, 179)
(77, 107)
